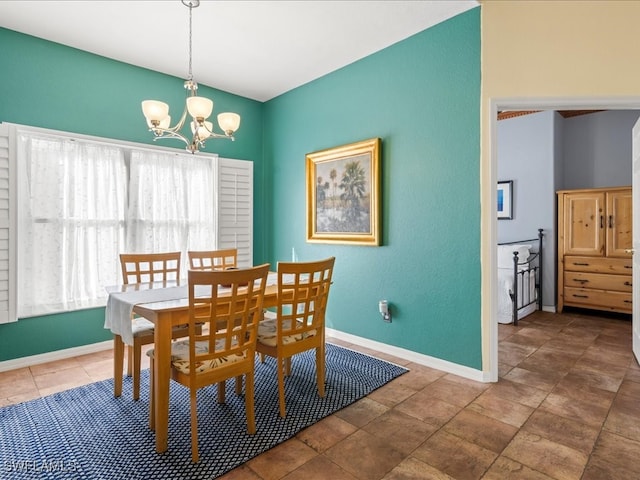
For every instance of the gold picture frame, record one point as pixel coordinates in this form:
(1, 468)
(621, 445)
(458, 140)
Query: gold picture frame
(343, 194)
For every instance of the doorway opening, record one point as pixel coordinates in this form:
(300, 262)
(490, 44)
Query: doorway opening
(489, 277)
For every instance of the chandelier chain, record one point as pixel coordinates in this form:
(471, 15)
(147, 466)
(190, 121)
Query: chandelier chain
(190, 40)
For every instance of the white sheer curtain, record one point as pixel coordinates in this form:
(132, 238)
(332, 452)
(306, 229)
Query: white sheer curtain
(72, 204)
(82, 203)
(171, 206)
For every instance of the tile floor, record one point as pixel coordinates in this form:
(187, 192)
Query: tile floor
(565, 407)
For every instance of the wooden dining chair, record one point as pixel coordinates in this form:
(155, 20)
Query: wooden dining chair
(226, 346)
(213, 259)
(144, 268)
(298, 326)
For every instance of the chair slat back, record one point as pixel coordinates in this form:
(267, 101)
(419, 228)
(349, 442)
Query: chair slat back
(303, 292)
(150, 267)
(228, 306)
(213, 259)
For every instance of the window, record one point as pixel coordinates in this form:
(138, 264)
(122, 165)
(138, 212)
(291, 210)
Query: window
(82, 201)
(71, 222)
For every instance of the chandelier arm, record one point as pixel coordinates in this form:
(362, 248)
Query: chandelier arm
(162, 133)
(171, 132)
(183, 118)
(213, 134)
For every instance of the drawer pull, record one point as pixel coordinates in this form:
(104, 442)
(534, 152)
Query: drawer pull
(628, 284)
(628, 301)
(628, 266)
(601, 221)
(581, 280)
(580, 296)
(610, 221)
(579, 264)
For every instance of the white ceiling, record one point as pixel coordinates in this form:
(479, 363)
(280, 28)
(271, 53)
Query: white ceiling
(256, 49)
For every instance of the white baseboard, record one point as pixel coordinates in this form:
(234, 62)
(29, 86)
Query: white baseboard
(549, 308)
(419, 358)
(23, 362)
(426, 360)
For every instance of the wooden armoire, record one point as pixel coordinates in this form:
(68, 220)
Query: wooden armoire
(594, 249)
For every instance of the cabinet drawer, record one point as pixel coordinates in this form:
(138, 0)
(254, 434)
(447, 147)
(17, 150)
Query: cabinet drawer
(601, 281)
(598, 265)
(599, 299)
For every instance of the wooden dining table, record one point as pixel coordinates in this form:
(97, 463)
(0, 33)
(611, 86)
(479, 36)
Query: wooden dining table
(164, 314)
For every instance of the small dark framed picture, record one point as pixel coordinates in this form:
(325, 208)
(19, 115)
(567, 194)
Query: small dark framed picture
(505, 200)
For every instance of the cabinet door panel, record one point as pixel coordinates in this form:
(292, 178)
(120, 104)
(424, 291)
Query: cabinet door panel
(619, 223)
(585, 224)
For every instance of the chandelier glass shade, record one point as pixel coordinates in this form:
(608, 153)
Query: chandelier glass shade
(197, 110)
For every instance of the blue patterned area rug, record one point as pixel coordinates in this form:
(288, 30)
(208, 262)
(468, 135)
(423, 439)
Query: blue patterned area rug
(86, 433)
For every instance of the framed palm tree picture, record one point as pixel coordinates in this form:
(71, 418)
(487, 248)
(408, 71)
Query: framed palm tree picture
(343, 194)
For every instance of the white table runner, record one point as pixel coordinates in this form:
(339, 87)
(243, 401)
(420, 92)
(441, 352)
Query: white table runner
(117, 315)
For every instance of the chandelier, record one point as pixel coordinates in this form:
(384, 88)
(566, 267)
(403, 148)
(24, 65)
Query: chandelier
(197, 110)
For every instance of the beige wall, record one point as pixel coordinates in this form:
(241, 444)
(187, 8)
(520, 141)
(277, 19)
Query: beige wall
(556, 48)
(557, 53)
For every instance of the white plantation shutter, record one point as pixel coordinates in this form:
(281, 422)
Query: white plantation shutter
(7, 244)
(234, 207)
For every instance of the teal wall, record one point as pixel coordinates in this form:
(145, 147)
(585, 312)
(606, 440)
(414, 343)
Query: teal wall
(44, 84)
(422, 98)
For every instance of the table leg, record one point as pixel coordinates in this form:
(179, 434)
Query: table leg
(162, 370)
(118, 356)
